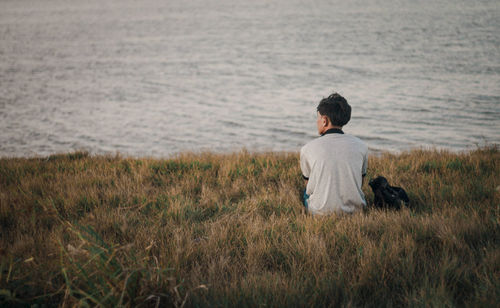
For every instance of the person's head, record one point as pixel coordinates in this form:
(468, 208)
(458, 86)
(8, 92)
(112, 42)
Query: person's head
(333, 112)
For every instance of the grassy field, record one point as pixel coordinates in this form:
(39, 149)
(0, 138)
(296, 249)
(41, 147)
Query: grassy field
(229, 230)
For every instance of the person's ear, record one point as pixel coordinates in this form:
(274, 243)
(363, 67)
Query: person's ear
(324, 120)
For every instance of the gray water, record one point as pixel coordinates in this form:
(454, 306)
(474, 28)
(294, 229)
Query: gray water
(155, 78)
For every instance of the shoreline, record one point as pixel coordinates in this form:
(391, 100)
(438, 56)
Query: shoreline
(371, 152)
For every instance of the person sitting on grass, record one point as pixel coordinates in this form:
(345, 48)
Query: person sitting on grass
(333, 165)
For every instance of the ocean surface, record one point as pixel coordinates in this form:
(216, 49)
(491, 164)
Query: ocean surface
(156, 78)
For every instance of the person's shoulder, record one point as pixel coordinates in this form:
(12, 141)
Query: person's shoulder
(360, 143)
(309, 146)
(312, 143)
(354, 138)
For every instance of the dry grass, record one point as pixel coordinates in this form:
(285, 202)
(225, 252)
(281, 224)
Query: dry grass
(229, 230)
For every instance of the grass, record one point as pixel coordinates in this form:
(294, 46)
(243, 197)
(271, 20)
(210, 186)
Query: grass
(229, 230)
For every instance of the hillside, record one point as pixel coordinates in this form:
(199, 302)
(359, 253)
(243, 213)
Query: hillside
(229, 230)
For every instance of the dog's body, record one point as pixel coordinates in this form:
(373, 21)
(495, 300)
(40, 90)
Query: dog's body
(386, 195)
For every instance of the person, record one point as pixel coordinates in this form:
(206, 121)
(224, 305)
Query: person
(334, 164)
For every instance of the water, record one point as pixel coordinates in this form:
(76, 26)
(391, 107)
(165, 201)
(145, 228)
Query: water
(155, 78)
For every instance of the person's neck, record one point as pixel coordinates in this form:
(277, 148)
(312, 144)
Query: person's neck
(333, 129)
(327, 128)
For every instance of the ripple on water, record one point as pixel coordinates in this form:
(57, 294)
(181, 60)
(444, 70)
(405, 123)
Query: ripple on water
(159, 77)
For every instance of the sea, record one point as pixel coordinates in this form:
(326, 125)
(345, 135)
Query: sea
(155, 78)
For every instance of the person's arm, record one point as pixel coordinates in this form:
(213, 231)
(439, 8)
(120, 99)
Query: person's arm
(364, 169)
(304, 166)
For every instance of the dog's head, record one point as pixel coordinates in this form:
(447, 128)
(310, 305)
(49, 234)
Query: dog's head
(378, 183)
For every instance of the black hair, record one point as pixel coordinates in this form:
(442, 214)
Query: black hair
(336, 108)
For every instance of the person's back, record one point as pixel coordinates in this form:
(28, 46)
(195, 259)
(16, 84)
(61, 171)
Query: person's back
(335, 163)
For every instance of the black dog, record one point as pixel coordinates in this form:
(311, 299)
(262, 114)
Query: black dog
(386, 195)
